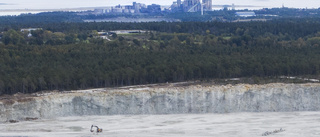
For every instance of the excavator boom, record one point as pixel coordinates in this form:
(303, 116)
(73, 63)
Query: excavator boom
(98, 129)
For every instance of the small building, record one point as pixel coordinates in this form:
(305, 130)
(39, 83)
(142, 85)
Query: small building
(126, 31)
(30, 29)
(245, 14)
(102, 33)
(117, 10)
(99, 11)
(29, 35)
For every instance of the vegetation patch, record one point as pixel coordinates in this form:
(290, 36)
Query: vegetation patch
(66, 56)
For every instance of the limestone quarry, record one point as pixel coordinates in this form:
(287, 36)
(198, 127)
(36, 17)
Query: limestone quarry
(179, 98)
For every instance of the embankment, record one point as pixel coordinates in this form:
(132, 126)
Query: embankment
(165, 99)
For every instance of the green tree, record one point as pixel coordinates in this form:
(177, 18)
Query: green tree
(12, 37)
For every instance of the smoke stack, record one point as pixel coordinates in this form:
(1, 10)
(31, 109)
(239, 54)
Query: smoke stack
(201, 4)
(179, 3)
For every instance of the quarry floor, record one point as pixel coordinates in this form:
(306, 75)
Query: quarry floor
(295, 124)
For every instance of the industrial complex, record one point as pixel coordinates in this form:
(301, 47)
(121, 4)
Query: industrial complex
(177, 6)
(192, 5)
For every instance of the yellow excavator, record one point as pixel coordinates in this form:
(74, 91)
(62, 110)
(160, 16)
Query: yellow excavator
(99, 130)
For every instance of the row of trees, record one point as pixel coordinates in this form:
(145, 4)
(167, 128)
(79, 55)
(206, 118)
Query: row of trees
(292, 27)
(45, 37)
(306, 29)
(164, 57)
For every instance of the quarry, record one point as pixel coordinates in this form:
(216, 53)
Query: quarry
(171, 109)
(177, 98)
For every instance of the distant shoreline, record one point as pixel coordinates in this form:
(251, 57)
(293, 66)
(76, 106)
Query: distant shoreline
(48, 10)
(4, 12)
(12, 12)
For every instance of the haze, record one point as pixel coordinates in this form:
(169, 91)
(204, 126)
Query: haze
(56, 4)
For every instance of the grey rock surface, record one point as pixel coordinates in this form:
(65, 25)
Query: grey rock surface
(165, 100)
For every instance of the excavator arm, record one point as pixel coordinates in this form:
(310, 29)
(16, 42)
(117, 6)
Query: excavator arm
(98, 129)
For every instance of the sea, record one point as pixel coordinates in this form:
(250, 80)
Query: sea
(273, 124)
(17, 7)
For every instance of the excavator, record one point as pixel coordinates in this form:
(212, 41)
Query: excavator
(99, 130)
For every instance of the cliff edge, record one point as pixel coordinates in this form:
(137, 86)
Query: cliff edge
(165, 99)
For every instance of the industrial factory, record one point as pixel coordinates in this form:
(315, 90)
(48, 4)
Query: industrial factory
(177, 6)
(192, 5)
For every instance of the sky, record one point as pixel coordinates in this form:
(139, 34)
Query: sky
(262, 3)
(57, 4)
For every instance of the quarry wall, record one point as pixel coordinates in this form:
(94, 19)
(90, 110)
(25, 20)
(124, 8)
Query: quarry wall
(165, 100)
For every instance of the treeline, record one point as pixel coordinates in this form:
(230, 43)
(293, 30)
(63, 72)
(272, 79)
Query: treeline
(224, 50)
(292, 27)
(289, 29)
(38, 19)
(218, 15)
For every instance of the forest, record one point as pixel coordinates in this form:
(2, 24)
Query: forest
(69, 55)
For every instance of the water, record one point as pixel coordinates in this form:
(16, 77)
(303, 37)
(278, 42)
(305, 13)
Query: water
(17, 7)
(122, 19)
(63, 4)
(295, 124)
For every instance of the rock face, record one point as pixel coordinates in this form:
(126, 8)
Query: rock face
(165, 100)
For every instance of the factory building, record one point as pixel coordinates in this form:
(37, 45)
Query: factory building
(193, 5)
(177, 6)
(245, 14)
(179, 3)
(207, 5)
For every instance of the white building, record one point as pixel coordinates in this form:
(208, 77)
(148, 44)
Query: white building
(245, 14)
(30, 29)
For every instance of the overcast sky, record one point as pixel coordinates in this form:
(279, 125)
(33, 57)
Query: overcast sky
(31, 4)
(289, 3)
